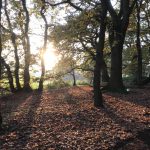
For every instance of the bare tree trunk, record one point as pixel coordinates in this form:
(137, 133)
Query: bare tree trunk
(1, 119)
(9, 74)
(74, 77)
(0, 59)
(0, 39)
(138, 45)
(116, 81)
(117, 34)
(26, 86)
(13, 39)
(98, 99)
(43, 49)
(105, 76)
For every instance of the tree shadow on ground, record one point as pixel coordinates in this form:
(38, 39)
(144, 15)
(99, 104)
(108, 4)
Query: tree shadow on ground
(58, 129)
(22, 126)
(30, 119)
(10, 104)
(141, 98)
(70, 98)
(137, 129)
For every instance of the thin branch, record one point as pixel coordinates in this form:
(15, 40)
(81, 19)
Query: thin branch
(65, 2)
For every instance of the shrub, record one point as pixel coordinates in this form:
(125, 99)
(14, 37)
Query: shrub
(55, 84)
(79, 82)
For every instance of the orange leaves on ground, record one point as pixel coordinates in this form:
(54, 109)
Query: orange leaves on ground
(66, 119)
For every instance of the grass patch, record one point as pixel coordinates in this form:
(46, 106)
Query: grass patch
(79, 82)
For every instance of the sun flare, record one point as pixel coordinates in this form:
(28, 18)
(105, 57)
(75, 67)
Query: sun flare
(50, 57)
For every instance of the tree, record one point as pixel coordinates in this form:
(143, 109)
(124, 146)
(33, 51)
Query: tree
(104, 73)
(89, 29)
(13, 39)
(42, 11)
(1, 119)
(130, 53)
(98, 100)
(74, 77)
(117, 31)
(0, 56)
(26, 43)
(9, 75)
(138, 44)
(0, 37)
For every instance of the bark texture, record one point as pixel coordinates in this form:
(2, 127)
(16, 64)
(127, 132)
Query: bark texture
(26, 43)
(74, 77)
(9, 75)
(117, 32)
(138, 45)
(105, 76)
(98, 99)
(0, 38)
(43, 49)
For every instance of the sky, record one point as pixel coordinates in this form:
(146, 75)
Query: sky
(37, 39)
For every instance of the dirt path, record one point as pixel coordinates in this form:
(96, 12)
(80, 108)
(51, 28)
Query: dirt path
(66, 120)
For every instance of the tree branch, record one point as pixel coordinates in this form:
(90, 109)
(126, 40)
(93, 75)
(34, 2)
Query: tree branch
(111, 11)
(65, 2)
(132, 6)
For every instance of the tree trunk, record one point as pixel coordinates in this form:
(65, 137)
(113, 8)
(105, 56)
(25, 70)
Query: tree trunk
(138, 46)
(9, 74)
(105, 76)
(0, 120)
(13, 39)
(0, 39)
(17, 66)
(43, 49)
(26, 42)
(74, 78)
(98, 99)
(40, 88)
(0, 59)
(116, 41)
(117, 32)
(26, 76)
(116, 82)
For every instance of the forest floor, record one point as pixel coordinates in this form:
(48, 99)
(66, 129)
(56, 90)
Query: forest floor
(65, 119)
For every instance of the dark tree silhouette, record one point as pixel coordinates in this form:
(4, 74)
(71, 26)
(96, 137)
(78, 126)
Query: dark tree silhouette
(13, 39)
(138, 44)
(26, 43)
(0, 38)
(0, 57)
(44, 47)
(9, 74)
(117, 32)
(98, 100)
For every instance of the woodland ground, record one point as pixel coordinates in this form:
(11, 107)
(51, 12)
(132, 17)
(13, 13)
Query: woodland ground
(65, 119)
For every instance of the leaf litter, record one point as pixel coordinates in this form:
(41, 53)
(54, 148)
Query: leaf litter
(65, 119)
